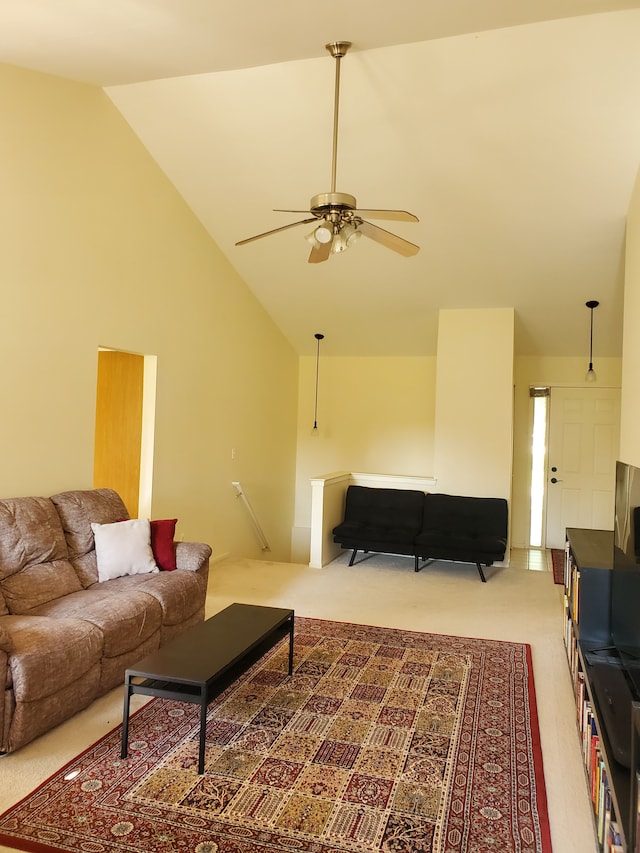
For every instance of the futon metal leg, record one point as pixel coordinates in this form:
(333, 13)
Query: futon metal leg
(353, 556)
(482, 577)
(417, 568)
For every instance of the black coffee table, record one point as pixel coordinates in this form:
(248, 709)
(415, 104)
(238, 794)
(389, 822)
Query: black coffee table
(198, 665)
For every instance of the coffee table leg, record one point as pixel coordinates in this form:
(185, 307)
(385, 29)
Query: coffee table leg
(291, 646)
(203, 729)
(125, 717)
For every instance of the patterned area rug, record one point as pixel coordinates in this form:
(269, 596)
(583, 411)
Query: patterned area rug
(557, 561)
(383, 740)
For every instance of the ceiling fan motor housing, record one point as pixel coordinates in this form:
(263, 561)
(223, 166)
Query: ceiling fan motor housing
(328, 202)
(334, 208)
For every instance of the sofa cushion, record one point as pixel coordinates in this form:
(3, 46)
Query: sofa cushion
(164, 551)
(41, 664)
(125, 621)
(123, 548)
(34, 561)
(48, 683)
(77, 509)
(180, 594)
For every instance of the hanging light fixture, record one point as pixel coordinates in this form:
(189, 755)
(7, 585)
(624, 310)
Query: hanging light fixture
(318, 338)
(324, 232)
(591, 374)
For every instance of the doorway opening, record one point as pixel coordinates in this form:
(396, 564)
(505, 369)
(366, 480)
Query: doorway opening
(125, 427)
(539, 435)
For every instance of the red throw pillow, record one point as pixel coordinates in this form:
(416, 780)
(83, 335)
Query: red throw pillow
(164, 552)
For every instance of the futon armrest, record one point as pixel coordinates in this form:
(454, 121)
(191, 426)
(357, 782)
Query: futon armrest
(192, 556)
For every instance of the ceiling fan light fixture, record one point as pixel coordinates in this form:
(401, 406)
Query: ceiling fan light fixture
(339, 244)
(324, 233)
(350, 235)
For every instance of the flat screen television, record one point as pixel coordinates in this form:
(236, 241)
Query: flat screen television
(625, 579)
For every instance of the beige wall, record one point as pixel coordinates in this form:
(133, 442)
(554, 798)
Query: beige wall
(375, 415)
(98, 249)
(630, 413)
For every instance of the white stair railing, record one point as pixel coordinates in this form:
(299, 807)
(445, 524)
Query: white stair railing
(264, 544)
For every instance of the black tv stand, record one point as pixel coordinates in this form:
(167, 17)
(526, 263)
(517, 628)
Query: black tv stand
(608, 655)
(603, 694)
(613, 694)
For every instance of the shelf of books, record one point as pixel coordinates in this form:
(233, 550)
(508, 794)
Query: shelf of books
(608, 828)
(586, 593)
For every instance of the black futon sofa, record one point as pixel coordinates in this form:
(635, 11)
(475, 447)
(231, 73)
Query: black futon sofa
(424, 526)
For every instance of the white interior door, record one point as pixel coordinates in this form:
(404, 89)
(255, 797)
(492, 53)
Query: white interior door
(584, 437)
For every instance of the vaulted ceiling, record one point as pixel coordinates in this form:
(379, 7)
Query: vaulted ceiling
(511, 130)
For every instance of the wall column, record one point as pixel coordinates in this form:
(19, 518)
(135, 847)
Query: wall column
(474, 402)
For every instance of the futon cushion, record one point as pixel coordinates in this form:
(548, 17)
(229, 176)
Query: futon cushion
(383, 515)
(463, 528)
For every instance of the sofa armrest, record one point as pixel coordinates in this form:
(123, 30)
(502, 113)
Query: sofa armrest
(192, 556)
(6, 644)
(6, 696)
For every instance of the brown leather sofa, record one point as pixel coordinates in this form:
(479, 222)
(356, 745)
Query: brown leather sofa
(65, 636)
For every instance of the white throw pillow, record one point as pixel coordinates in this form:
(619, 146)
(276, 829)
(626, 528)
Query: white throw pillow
(123, 548)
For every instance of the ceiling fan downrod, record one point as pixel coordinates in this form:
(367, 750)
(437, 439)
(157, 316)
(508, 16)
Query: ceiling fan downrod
(337, 49)
(330, 206)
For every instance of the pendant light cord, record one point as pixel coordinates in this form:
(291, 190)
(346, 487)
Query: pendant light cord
(591, 374)
(318, 338)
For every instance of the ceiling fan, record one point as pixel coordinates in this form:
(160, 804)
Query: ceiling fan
(340, 222)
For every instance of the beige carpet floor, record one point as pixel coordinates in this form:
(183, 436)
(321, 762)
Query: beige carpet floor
(516, 604)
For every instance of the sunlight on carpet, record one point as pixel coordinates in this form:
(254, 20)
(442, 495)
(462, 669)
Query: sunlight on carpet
(383, 740)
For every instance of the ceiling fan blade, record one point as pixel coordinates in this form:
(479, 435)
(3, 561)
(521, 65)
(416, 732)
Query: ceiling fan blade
(275, 230)
(320, 252)
(398, 215)
(386, 238)
(282, 210)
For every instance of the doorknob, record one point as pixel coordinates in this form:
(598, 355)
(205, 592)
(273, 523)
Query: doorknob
(555, 480)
